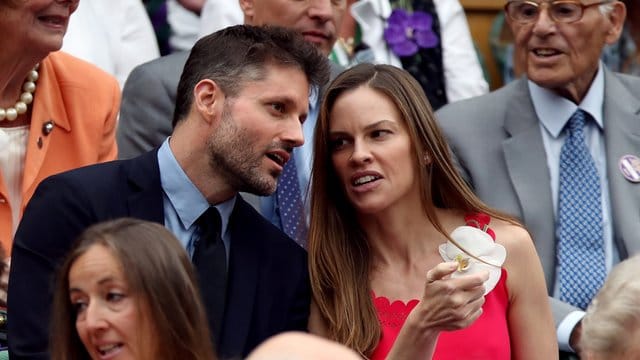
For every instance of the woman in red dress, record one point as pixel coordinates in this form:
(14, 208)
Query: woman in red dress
(406, 262)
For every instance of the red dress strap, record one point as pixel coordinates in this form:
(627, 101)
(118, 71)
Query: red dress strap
(480, 221)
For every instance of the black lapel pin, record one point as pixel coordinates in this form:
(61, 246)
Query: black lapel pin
(47, 127)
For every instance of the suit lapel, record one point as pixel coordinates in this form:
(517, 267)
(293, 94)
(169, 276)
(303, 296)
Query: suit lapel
(243, 278)
(145, 198)
(48, 106)
(622, 137)
(526, 163)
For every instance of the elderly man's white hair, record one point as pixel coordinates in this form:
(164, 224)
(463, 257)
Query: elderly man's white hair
(611, 325)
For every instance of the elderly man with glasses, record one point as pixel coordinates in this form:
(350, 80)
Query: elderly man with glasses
(556, 148)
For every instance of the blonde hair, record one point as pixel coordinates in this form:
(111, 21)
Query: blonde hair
(614, 314)
(339, 255)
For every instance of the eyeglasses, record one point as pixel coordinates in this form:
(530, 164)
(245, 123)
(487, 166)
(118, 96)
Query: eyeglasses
(561, 11)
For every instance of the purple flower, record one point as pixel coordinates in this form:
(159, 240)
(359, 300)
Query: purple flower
(406, 33)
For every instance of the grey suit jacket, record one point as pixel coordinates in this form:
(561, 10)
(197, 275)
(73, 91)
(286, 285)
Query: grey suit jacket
(148, 101)
(498, 144)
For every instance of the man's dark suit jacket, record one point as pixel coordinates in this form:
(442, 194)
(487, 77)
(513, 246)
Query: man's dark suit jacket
(269, 290)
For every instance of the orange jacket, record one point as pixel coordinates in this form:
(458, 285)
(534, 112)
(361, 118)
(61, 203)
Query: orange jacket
(82, 101)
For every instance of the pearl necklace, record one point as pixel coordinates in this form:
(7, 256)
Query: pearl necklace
(20, 107)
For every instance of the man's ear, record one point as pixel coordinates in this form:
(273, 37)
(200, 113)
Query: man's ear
(207, 99)
(247, 7)
(616, 17)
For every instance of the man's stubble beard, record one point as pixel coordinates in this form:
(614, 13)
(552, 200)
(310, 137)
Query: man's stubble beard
(228, 155)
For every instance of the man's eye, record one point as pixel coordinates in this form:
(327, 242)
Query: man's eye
(565, 10)
(528, 11)
(279, 107)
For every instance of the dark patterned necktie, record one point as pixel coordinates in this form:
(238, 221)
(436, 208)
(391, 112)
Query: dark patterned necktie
(210, 261)
(580, 227)
(289, 197)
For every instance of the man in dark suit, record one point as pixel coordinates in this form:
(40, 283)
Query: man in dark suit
(516, 146)
(240, 104)
(149, 93)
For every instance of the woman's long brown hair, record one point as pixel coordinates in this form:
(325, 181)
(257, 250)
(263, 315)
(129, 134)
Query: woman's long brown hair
(158, 271)
(339, 255)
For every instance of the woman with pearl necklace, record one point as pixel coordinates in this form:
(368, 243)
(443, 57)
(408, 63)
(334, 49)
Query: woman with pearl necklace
(56, 112)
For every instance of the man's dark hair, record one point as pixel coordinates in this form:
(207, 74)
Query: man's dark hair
(238, 54)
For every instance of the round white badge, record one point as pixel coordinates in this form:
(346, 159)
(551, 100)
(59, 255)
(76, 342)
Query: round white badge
(630, 167)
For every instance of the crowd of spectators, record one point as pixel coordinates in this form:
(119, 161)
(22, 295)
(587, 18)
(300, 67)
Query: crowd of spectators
(332, 166)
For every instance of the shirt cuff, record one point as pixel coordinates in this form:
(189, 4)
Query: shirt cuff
(566, 327)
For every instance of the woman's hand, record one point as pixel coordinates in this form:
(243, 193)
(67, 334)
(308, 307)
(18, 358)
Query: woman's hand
(447, 304)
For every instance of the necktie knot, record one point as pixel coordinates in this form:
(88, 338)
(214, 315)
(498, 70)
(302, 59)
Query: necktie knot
(575, 126)
(209, 226)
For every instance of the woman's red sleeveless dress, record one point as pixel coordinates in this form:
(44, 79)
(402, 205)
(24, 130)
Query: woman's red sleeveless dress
(486, 338)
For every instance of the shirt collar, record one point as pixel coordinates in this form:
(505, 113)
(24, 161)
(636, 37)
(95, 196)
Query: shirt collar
(184, 196)
(314, 94)
(554, 111)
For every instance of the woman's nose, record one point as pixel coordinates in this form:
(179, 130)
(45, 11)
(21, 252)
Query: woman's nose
(361, 153)
(95, 317)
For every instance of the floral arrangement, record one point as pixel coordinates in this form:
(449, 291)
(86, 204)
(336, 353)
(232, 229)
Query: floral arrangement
(475, 250)
(412, 33)
(407, 31)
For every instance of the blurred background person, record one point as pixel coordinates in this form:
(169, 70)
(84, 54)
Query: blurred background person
(633, 26)
(385, 197)
(430, 39)
(183, 17)
(157, 11)
(218, 14)
(624, 56)
(114, 35)
(127, 289)
(56, 112)
(611, 326)
(175, 23)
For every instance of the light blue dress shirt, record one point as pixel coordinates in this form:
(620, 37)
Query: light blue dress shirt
(303, 156)
(183, 203)
(554, 112)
